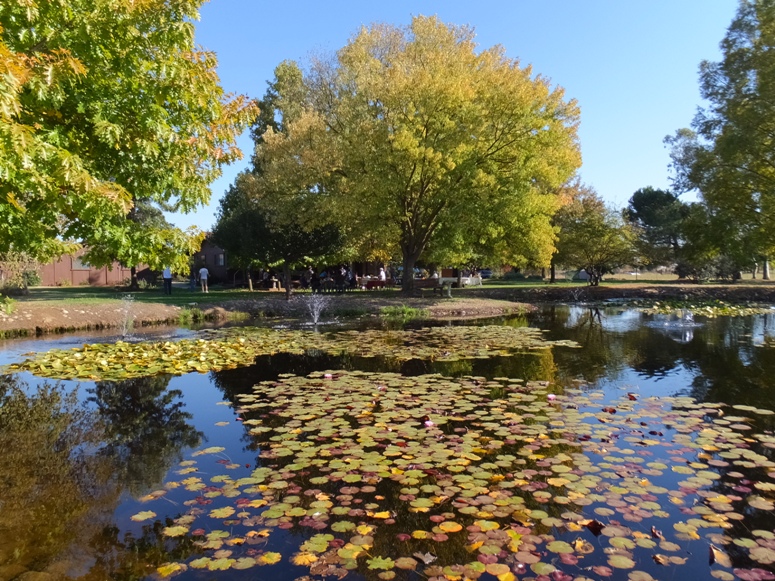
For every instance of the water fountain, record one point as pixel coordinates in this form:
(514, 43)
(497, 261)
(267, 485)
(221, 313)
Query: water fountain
(314, 304)
(678, 325)
(127, 322)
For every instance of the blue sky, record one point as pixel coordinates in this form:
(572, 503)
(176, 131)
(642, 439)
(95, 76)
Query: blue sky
(631, 64)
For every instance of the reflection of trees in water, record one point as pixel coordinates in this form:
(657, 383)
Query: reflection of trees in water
(123, 556)
(602, 353)
(64, 467)
(726, 365)
(53, 490)
(728, 368)
(146, 429)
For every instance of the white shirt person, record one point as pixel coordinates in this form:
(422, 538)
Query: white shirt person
(204, 274)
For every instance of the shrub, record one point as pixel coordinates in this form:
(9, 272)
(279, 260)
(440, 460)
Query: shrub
(7, 304)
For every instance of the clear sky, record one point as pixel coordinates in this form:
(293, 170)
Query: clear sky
(631, 64)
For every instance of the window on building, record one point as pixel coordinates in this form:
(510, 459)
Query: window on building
(203, 258)
(77, 264)
(220, 259)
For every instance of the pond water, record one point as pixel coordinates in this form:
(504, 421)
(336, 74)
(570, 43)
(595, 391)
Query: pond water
(645, 453)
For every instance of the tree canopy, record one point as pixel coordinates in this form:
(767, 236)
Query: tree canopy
(658, 216)
(106, 104)
(729, 156)
(276, 220)
(592, 236)
(416, 141)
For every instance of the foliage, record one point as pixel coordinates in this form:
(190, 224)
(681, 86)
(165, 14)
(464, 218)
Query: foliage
(19, 271)
(403, 313)
(7, 304)
(704, 308)
(658, 216)
(256, 235)
(592, 236)
(415, 142)
(275, 221)
(728, 155)
(145, 237)
(105, 105)
(128, 360)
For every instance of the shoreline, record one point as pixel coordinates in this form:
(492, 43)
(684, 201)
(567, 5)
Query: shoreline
(31, 318)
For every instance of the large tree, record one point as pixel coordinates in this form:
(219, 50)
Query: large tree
(275, 220)
(252, 236)
(592, 236)
(107, 105)
(417, 139)
(658, 216)
(729, 154)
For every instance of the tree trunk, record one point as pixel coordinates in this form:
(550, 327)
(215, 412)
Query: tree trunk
(766, 270)
(287, 280)
(407, 281)
(249, 274)
(133, 283)
(594, 276)
(552, 273)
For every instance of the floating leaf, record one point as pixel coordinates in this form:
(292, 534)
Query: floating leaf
(716, 555)
(143, 515)
(270, 558)
(176, 531)
(620, 562)
(380, 563)
(169, 569)
(304, 559)
(450, 527)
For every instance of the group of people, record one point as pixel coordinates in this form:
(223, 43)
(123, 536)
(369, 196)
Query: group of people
(202, 276)
(337, 279)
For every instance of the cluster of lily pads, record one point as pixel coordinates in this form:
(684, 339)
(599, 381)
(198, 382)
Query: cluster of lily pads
(458, 478)
(121, 360)
(706, 308)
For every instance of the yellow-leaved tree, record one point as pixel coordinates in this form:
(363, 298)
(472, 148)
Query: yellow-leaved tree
(422, 145)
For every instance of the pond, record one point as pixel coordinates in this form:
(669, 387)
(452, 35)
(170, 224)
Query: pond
(615, 445)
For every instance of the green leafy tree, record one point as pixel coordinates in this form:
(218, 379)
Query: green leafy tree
(593, 237)
(728, 155)
(414, 139)
(275, 221)
(235, 229)
(108, 105)
(658, 217)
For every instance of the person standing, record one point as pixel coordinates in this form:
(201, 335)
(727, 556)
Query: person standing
(204, 274)
(166, 275)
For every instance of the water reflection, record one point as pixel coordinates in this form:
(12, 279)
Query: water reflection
(146, 429)
(69, 472)
(65, 466)
(54, 493)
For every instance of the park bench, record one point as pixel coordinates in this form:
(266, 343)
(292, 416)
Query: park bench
(435, 285)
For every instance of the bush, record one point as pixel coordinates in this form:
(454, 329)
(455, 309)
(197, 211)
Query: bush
(19, 271)
(7, 304)
(31, 278)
